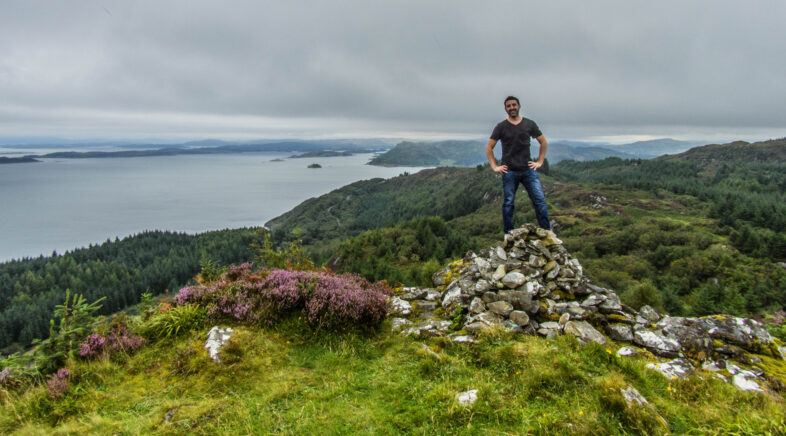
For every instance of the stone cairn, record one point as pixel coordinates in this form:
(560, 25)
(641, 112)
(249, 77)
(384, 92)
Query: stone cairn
(530, 284)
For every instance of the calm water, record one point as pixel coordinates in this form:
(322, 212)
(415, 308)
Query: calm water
(61, 204)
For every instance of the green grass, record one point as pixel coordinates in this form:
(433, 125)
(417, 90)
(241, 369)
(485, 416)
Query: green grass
(287, 381)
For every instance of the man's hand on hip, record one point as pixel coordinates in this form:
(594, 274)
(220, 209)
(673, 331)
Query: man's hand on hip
(502, 169)
(534, 165)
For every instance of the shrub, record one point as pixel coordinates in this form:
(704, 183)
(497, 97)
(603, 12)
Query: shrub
(175, 320)
(117, 339)
(325, 300)
(75, 323)
(58, 383)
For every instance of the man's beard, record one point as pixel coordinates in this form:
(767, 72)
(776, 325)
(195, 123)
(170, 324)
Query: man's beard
(513, 113)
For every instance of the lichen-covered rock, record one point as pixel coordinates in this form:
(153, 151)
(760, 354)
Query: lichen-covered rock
(584, 332)
(649, 314)
(656, 342)
(620, 332)
(451, 296)
(400, 307)
(631, 395)
(399, 323)
(678, 368)
(216, 338)
(467, 398)
(411, 294)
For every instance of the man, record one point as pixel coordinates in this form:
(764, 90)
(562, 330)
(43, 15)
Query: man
(516, 164)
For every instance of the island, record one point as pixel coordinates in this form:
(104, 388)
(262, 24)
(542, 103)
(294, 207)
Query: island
(24, 159)
(315, 165)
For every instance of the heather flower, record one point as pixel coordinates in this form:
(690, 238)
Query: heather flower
(58, 383)
(325, 299)
(117, 339)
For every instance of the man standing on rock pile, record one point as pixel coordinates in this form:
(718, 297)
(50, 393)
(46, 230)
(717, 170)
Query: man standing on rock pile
(516, 164)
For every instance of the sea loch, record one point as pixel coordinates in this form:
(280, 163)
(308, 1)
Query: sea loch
(61, 204)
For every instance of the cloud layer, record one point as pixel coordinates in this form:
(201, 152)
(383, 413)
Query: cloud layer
(358, 68)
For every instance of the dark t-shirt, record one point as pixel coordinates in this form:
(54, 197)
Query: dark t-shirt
(515, 142)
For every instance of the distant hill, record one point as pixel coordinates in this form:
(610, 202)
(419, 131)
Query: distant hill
(738, 152)
(654, 148)
(471, 153)
(286, 146)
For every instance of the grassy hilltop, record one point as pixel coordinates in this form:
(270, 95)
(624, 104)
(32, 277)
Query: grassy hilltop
(698, 233)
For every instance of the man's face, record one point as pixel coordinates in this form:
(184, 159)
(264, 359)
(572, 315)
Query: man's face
(512, 108)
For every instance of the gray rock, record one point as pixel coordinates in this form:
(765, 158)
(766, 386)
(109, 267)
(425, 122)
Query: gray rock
(632, 396)
(500, 252)
(627, 351)
(619, 332)
(216, 338)
(483, 264)
(656, 342)
(519, 299)
(489, 318)
(563, 319)
(482, 286)
(467, 398)
(584, 332)
(519, 317)
(462, 339)
(746, 384)
(452, 296)
(440, 277)
(501, 308)
(611, 304)
(744, 332)
(432, 294)
(675, 368)
(413, 294)
(399, 306)
(428, 328)
(593, 300)
(553, 273)
(428, 306)
(536, 261)
(649, 314)
(490, 297)
(550, 325)
(513, 279)
(477, 306)
(577, 312)
(398, 323)
(533, 288)
(476, 327)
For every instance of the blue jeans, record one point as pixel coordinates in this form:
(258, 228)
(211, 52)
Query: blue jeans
(510, 184)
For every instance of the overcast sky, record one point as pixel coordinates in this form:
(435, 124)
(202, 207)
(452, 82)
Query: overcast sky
(609, 70)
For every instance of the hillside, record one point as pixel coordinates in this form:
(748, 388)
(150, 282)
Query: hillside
(306, 368)
(655, 147)
(735, 153)
(665, 232)
(470, 153)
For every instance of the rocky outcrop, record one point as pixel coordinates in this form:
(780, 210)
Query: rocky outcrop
(530, 284)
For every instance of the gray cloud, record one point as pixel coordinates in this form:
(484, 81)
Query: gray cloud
(249, 68)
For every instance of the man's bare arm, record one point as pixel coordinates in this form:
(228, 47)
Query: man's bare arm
(542, 155)
(502, 169)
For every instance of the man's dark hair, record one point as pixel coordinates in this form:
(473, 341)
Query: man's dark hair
(510, 97)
